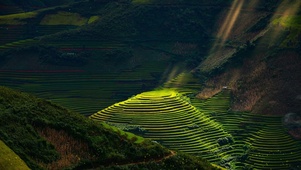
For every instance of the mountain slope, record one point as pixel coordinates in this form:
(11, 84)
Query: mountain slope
(10, 160)
(130, 22)
(13, 6)
(168, 117)
(193, 33)
(46, 135)
(263, 70)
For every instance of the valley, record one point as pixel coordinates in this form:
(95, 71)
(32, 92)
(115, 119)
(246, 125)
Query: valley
(151, 84)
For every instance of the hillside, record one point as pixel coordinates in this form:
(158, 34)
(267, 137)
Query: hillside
(175, 118)
(110, 58)
(264, 71)
(17, 6)
(223, 42)
(35, 130)
(10, 160)
(217, 79)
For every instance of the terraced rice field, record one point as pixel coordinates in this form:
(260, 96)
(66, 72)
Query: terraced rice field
(168, 117)
(261, 142)
(79, 91)
(17, 36)
(178, 120)
(185, 83)
(84, 91)
(17, 44)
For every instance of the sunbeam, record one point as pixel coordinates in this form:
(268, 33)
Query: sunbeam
(228, 24)
(284, 10)
(217, 52)
(170, 73)
(230, 20)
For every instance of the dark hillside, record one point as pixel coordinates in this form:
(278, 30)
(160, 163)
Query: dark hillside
(17, 6)
(149, 22)
(35, 130)
(88, 55)
(263, 70)
(212, 36)
(131, 47)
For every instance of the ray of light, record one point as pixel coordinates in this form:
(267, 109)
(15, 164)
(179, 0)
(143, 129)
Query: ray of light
(228, 24)
(253, 4)
(216, 52)
(230, 21)
(285, 9)
(170, 73)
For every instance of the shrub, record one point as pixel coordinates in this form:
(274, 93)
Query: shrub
(225, 140)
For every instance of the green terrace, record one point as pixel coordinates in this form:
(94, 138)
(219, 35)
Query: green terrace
(166, 116)
(17, 44)
(78, 90)
(260, 140)
(185, 83)
(207, 128)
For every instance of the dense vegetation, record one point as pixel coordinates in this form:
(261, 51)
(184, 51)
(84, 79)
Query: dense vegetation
(36, 129)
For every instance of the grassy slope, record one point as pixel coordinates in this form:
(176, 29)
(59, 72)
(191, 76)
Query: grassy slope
(16, 19)
(64, 18)
(10, 160)
(25, 119)
(61, 18)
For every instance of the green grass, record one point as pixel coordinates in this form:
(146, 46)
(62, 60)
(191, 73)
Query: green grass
(64, 18)
(93, 19)
(17, 44)
(10, 160)
(16, 19)
(19, 18)
(293, 22)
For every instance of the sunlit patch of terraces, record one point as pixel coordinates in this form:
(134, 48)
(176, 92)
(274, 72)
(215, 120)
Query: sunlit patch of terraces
(168, 117)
